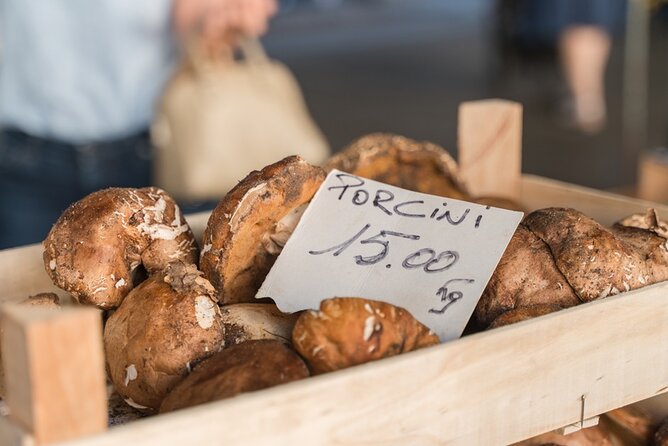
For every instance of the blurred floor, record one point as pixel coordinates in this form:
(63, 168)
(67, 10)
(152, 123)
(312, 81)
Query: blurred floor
(404, 67)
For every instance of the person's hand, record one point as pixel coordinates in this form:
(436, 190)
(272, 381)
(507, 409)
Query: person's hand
(222, 22)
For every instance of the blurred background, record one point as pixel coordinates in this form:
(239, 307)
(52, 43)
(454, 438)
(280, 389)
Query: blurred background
(404, 66)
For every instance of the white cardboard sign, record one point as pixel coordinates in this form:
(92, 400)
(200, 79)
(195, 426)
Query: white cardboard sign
(360, 238)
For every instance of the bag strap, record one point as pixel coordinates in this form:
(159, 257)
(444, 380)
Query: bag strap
(250, 49)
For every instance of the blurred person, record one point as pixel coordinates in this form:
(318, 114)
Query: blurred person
(582, 32)
(79, 81)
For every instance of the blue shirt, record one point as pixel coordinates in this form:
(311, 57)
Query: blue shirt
(83, 70)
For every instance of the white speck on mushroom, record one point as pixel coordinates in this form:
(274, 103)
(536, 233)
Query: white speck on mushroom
(188, 367)
(52, 264)
(205, 311)
(99, 289)
(120, 283)
(369, 326)
(316, 350)
(207, 248)
(628, 276)
(626, 286)
(246, 202)
(177, 216)
(159, 231)
(606, 292)
(614, 291)
(372, 348)
(368, 308)
(642, 279)
(133, 404)
(560, 286)
(617, 254)
(590, 247)
(130, 374)
(592, 259)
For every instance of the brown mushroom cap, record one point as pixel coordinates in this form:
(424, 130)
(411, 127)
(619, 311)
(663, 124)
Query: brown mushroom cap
(649, 236)
(246, 367)
(348, 331)
(661, 434)
(635, 424)
(402, 162)
(590, 436)
(595, 262)
(249, 227)
(162, 328)
(98, 243)
(523, 313)
(526, 275)
(559, 256)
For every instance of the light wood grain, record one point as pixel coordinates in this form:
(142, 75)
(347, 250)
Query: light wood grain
(490, 147)
(496, 387)
(653, 178)
(54, 371)
(604, 207)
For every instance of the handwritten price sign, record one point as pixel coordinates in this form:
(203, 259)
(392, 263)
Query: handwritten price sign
(361, 238)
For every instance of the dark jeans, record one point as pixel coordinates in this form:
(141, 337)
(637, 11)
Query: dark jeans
(39, 178)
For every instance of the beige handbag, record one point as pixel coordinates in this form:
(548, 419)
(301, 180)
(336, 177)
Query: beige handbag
(220, 119)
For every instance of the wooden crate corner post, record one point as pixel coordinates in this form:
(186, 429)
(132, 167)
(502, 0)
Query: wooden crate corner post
(489, 147)
(54, 371)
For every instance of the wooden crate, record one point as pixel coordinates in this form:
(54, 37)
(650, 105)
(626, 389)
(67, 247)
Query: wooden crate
(495, 387)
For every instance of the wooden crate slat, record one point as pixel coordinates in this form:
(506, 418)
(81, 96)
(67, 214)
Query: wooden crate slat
(495, 387)
(604, 207)
(54, 370)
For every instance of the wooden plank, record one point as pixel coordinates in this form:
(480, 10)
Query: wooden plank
(54, 371)
(605, 207)
(489, 148)
(653, 181)
(496, 387)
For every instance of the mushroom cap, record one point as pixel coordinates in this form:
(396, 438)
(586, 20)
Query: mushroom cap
(649, 236)
(523, 313)
(526, 275)
(162, 328)
(248, 228)
(348, 331)
(99, 242)
(392, 159)
(246, 367)
(594, 261)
